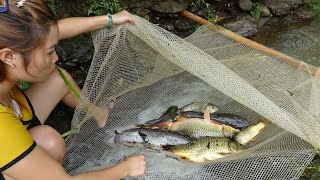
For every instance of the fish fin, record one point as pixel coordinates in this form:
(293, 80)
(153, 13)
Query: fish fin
(224, 154)
(266, 122)
(206, 115)
(143, 136)
(197, 159)
(254, 139)
(216, 122)
(150, 146)
(139, 125)
(180, 118)
(167, 147)
(165, 125)
(212, 156)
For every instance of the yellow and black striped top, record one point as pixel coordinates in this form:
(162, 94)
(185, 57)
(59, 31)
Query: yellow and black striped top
(15, 140)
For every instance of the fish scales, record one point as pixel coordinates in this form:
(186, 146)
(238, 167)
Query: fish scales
(249, 133)
(206, 148)
(232, 120)
(195, 127)
(151, 136)
(200, 107)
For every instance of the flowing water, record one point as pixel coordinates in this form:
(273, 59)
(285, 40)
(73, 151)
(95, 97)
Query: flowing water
(301, 40)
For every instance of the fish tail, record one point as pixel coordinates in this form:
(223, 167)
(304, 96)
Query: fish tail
(117, 138)
(167, 147)
(266, 122)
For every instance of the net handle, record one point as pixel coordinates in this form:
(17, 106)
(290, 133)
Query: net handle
(287, 59)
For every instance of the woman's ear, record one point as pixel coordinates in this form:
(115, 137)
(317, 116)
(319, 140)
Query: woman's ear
(7, 56)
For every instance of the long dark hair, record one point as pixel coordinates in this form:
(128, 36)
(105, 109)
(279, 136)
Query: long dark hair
(25, 28)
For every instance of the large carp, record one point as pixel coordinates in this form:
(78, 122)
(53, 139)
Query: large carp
(206, 148)
(196, 127)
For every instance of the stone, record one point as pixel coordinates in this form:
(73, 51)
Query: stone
(264, 10)
(170, 6)
(242, 24)
(282, 7)
(245, 5)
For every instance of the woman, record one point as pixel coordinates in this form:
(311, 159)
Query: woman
(28, 149)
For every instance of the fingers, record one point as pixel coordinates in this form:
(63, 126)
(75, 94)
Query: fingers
(102, 117)
(137, 165)
(122, 17)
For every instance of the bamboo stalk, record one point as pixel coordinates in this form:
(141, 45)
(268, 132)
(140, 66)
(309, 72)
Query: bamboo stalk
(295, 62)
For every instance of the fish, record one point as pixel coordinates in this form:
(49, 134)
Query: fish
(197, 127)
(168, 116)
(249, 133)
(232, 120)
(206, 148)
(154, 137)
(199, 107)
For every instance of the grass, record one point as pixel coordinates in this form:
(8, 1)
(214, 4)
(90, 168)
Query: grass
(98, 8)
(314, 5)
(53, 5)
(256, 12)
(312, 171)
(198, 3)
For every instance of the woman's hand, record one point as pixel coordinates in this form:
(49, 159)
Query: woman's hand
(122, 17)
(134, 165)
(101, 116)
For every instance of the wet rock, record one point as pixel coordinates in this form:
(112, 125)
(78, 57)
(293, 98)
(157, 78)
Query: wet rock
(142, 12)
(170, 6)
(282, 7)
(304, 13)
(183, 25)
(299, 15)
(264, 21)
(140, 8)
(202, 13)
(245, 5)
(79, 75)
(167, 26)
(75, 51)
(264, 10)
(243, 24)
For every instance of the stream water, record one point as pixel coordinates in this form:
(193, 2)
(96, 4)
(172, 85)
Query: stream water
(301, 40)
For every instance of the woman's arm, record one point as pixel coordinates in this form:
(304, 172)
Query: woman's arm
(74, 26)
(38, 166)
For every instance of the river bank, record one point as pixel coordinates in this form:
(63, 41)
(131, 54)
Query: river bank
(76, 54)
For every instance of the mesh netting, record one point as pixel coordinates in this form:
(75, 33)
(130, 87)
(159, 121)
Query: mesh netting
(142, 70)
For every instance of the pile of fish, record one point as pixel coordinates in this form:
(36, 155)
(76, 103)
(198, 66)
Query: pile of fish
(197, 132)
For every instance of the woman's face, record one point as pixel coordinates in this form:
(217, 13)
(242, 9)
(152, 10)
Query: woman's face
(42, 60)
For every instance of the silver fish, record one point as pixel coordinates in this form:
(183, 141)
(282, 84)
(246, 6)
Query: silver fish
(155, 137)
(199, 107)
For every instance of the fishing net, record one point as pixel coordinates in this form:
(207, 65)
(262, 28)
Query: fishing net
(140, 70)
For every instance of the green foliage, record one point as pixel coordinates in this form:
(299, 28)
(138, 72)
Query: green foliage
(314, 166)
(197, 26)
(98, 8)
(210, 16)
(52, 5)
(256, 12)
(314, 5)
(198, 3)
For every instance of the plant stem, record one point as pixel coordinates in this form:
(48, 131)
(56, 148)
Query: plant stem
(76, 93)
